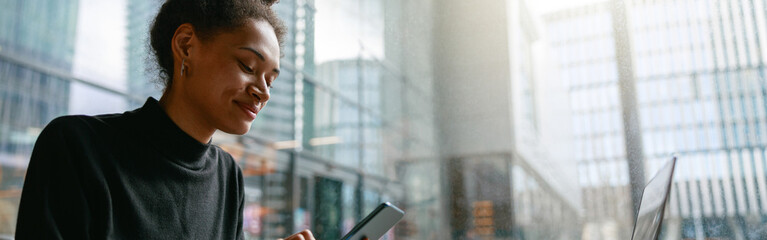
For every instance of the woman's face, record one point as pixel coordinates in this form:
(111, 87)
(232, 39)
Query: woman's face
(230, 75)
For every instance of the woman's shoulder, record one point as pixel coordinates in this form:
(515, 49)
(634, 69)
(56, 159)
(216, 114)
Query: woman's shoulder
(80, 123)
(81, 127)
(68, 124)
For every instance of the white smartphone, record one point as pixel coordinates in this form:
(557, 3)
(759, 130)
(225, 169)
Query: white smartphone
(377, 223)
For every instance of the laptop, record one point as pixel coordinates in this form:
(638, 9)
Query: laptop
(654, 197)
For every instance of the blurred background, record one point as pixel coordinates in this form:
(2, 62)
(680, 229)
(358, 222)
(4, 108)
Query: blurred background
(485, 119)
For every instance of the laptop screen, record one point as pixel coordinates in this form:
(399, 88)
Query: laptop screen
(648, 222)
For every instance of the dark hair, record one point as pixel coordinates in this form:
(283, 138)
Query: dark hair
(208, 17)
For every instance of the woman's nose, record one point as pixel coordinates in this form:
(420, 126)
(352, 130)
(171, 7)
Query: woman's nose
(261, 94)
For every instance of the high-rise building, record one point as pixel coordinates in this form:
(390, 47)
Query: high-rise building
(36, 56)
(582, 46)
(505, 177)
(698, 68)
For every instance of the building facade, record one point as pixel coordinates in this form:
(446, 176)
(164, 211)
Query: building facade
(504, 176)
(698, 70)
(36, 56)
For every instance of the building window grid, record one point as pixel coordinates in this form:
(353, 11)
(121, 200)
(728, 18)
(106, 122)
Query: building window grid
(748, 117)
(577, 65)
(349, 100)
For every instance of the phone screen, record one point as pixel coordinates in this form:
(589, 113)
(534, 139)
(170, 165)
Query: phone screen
(377, 223)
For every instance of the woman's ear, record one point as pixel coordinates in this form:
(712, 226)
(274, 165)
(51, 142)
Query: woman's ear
(181, 42)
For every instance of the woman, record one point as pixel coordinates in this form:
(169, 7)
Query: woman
(151, 173)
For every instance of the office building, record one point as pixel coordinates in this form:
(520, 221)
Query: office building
(698, 69)
(504, 176)
(35, 59)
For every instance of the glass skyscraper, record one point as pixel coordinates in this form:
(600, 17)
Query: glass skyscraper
(505, 177)
(699, 70)
(35, 64)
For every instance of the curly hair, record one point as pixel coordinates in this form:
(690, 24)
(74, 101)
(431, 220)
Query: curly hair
(208, 17)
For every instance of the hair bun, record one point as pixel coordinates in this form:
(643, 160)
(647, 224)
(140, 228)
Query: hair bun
(269, 2)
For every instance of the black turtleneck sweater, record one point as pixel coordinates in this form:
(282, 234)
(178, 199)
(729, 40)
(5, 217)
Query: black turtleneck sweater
(134, 175)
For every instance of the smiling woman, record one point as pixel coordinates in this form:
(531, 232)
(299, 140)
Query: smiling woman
(152, 172)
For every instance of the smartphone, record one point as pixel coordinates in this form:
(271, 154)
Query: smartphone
(377, 223)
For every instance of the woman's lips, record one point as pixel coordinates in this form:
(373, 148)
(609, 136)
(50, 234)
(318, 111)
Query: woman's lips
(249, 110)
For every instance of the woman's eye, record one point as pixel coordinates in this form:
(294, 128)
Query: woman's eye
(246, 68)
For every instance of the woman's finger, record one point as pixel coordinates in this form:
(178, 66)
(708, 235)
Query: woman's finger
(302, 235)
(296, 236)
(307, 234)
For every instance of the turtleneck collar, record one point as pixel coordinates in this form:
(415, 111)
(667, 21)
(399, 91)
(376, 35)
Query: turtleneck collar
(164, 134)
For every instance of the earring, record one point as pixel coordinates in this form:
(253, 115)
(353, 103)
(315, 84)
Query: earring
(183, 66)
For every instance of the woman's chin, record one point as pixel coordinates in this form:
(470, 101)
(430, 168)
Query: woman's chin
(241, 129)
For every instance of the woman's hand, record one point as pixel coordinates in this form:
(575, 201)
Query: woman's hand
(302, 235)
